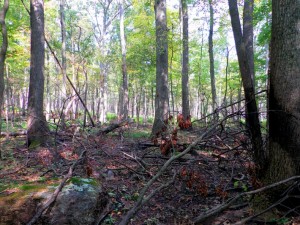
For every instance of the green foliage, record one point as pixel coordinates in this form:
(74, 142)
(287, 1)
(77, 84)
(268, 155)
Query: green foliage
(109, 220)
(137, 134)
(262, 19)
(82, 181)
(27, 187)
(111, 116)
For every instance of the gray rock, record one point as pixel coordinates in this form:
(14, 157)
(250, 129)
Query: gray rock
(78, 203)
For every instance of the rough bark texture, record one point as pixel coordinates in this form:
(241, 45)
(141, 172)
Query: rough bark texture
(162, 89)
(252, 118)
(284, 95)
(63, 59)
(123, 111)
(211, 56)
(185, 60)
(248, 35)
(36, 122)
(3, 50)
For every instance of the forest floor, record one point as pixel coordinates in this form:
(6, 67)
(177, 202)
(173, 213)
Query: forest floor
(219, 168)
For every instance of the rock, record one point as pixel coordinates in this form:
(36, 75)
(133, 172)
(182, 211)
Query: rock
(79, 202)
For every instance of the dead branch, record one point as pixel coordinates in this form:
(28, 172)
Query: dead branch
(141, 199)
(113, 126)
(230, 202)
(57, 190)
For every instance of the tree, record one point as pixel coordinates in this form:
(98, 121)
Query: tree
(211, 55)
(123, 110)
(284, 97)
(248, 35)
(37, 127)
(185, 60)
(162, 90)
(3, 51)
(252, 118)
(63, 58)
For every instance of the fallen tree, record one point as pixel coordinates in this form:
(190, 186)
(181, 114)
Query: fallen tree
(114, 126)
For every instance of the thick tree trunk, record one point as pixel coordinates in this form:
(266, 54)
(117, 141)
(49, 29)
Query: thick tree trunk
(284, 96)
(185, 60)
(211, 56)
(36, 122)
(162, 89)
(251, 107)
(123, 110)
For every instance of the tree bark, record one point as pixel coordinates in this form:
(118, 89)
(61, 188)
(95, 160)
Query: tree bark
(211, 56)
(284, 93)
(252, 118)
(63, 59)
(185, 60)
(36, 122)
(123, 111)
(162, 89)
(248, 36)
(3, 51)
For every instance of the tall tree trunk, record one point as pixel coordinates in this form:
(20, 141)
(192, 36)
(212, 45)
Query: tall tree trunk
(162, 89)
(36, 122)
(63, 59)
(123, 111)
(85, 95)
(185, 60)
(252, 117)
(211, 56)
(48, 96)
(284, 93)
(3, 51)
(248, 35)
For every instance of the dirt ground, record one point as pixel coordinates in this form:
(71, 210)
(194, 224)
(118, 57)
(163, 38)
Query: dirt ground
(218, 169)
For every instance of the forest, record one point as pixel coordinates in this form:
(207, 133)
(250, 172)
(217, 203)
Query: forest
(149, 112)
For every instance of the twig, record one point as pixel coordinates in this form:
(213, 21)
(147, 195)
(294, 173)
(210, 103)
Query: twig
(141, 199)
(262, 212)
(230, 202)
(56, 192)
(144, 200)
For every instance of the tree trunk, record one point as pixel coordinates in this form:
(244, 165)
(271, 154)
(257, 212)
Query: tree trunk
(162, 89)
(248, 36)
(3, 51)
(211, 56)
(123, 111)
(36, 122)
(63, 60)
(284, 95)
(252, 118)
(185, 60)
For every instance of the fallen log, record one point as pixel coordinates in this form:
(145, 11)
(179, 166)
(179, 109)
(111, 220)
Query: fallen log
(114, 126)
